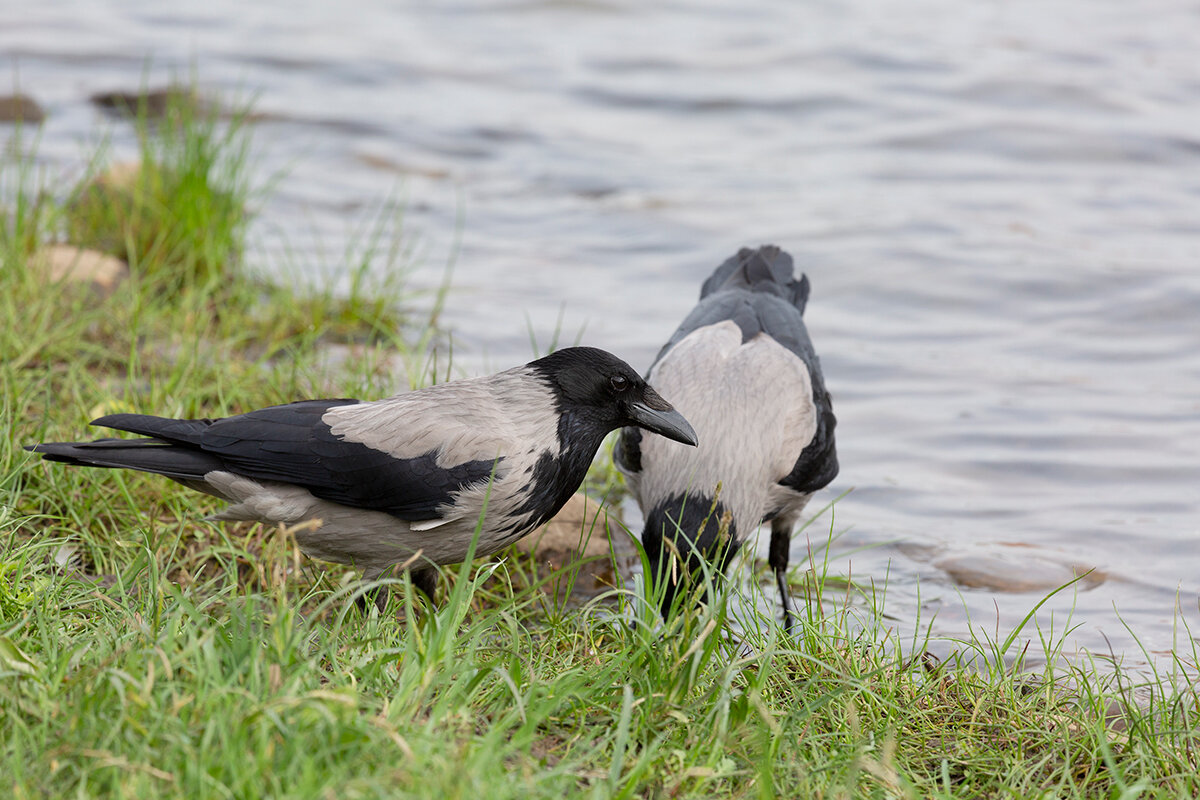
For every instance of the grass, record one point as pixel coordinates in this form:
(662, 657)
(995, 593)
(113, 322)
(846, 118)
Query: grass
(179, 212)
(277, 687)
(144, 652)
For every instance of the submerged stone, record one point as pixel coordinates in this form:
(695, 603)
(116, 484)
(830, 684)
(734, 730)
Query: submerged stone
(1013, 569)
(153, 103)
(20, 108)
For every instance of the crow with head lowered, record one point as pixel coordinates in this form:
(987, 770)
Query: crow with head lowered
(408, 479)
(742, 368)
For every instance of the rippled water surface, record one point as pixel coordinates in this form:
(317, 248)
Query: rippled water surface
(998, 205)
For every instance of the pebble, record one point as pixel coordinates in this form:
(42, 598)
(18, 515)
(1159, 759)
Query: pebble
(64, 262)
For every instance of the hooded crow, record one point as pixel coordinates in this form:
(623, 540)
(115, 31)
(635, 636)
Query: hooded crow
(742, 368)
(407, 479)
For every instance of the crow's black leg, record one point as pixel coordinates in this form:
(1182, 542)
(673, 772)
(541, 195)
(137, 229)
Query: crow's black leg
(423, 579)
(426, 581)
(377, 595)
(781, 539)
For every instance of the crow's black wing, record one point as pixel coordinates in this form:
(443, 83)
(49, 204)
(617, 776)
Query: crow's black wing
(290, 443)
(817, 464)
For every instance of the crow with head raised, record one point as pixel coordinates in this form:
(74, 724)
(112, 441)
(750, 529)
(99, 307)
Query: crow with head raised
(408, 479)
(741, 367)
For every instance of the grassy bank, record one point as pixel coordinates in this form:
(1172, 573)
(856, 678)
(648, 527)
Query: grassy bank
(146, 653)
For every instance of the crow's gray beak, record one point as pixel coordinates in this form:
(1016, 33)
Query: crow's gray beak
(655, 414)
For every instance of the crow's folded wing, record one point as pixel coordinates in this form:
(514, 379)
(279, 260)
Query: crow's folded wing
(292, 443)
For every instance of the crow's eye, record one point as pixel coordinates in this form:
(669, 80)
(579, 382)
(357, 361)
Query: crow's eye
(619, 383)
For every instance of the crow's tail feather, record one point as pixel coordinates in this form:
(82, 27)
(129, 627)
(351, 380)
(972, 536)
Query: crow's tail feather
(176, 461)
(183, 431)
(765, 269)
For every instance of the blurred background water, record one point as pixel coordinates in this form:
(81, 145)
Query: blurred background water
(997, 203)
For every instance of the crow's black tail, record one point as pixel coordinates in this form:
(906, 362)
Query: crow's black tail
(146, 455)
(174, 450)
(767, 269)
(180, 431)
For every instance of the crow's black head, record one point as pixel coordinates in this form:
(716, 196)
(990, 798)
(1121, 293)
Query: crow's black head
(596, 389)
(682, 535)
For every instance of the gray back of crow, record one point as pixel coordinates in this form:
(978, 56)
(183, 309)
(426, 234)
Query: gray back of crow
(742, 368)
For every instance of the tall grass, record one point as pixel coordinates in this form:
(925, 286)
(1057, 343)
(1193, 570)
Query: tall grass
(179, 213)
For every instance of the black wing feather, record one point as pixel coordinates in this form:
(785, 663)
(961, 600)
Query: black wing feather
(411, 488)
(817, 465)
(291, 443)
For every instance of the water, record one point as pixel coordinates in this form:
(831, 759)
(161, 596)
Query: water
(996, 203)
